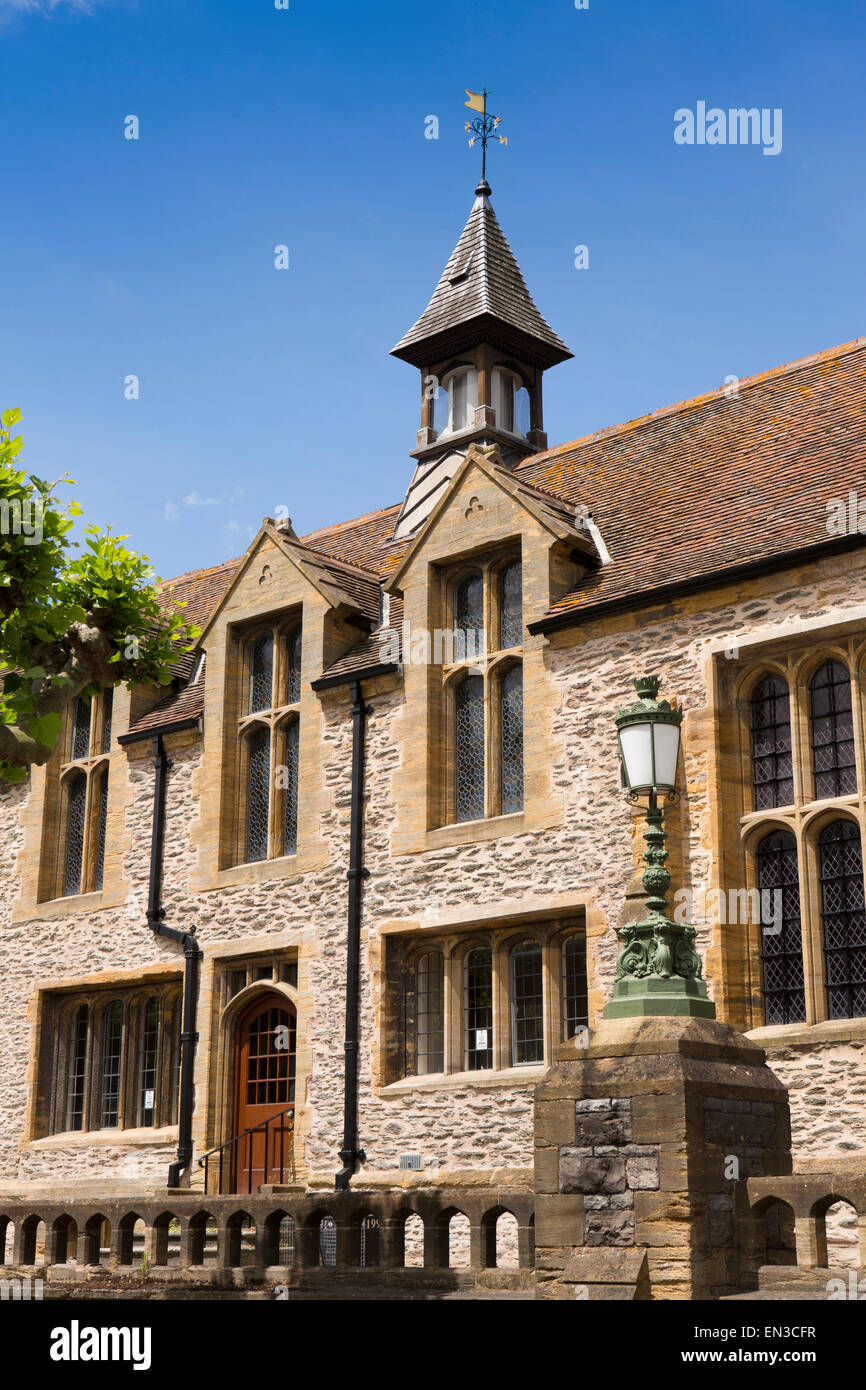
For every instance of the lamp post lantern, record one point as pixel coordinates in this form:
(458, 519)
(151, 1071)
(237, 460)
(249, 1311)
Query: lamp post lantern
(658, 971)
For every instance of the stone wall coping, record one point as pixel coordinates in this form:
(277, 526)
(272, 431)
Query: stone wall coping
(106, 1139)
(809, 1034)
(459, 1080)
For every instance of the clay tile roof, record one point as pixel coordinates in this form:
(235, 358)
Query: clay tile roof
(184, 706)
(718, 483)
(373, 651)
(482, 283)
(360, 542)
(201, 590)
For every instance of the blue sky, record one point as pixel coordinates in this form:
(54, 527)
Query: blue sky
(262, 388)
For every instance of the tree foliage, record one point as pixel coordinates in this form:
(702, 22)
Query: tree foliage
(73, 618)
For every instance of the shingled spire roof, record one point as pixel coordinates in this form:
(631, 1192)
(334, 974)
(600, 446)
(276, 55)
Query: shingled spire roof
(481, 295)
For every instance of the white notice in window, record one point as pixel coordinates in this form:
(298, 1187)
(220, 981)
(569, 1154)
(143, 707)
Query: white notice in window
(480, 1039)
(148, 1100)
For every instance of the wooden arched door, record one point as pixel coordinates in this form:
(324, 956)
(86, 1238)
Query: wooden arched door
(264, 1091)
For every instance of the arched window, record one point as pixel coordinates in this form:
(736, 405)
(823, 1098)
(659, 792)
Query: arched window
(511, 606)
(511, 740)
(504, 388)
(75, 860)
(148, 1060)
(772, 769)
(575, 994)
(261, 673)
(527, 1004)
(76, 1068)
(109, 1079)
(781, 938)
(290, 790)
(107, 711)
(293, 667)
(101, 824)
(81, 713)
(462, 388)
(843, 915)
(76, 805)
(258, 779)
(832, 732)
(441, 409)
(469, 741)
(522, 415)
(267, 826)
(469, 617)
(478, 1009)
(430, 1013)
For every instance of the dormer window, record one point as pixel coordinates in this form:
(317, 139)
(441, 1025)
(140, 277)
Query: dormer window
(511, 402)
(456, 401)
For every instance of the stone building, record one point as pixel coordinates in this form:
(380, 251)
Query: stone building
(463, 652)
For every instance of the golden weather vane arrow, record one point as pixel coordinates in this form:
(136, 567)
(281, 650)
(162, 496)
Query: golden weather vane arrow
(484, 127)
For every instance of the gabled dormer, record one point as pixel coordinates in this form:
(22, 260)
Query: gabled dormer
(481, 347)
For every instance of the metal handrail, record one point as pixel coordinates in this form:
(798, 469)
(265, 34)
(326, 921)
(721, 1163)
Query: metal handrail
(234, 1143)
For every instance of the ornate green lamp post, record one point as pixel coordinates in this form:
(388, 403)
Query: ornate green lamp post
(658, 971)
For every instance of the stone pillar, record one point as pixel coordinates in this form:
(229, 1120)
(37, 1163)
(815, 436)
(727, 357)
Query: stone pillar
(642, 1143)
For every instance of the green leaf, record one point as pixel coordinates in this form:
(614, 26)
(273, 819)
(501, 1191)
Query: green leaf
(45, 729)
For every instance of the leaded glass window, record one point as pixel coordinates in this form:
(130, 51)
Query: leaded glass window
(269, 745)
(78, 854)
(469, 617)
(575, 994)
(293, 662)
(109, 1082)
(107, 712)
(290, 790)
(511, 740)
(80, 728)
(258, 786)
(781, 936)
(94, 1085)
(149, 1024)
(527, 1004)
(101, 825)
(470, 780)
(772, 768)
(832, 732)
(843, 915)
(76, 1068)
(261, 673)
(76, 804)
(511, 606)
(478, 1009)
(430, 995)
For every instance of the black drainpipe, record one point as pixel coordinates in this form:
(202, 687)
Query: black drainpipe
(350, 1154)
(191, 955)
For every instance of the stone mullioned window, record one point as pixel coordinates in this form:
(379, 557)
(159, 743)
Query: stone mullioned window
(76, 802)
(110, 1059)
(482, 684)
(487, 1000)
(264, 813)
(802, 735)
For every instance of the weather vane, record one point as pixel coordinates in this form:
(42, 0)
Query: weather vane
(484, 127)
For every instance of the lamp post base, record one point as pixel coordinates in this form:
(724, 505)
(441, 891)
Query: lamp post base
(675, 997)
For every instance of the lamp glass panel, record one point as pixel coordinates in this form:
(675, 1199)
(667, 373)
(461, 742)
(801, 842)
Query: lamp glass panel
(636, 741)
(667, 742)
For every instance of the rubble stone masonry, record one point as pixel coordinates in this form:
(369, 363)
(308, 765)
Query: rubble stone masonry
(582, 859)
